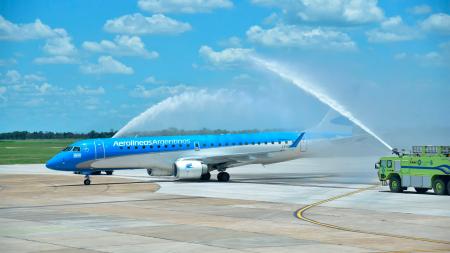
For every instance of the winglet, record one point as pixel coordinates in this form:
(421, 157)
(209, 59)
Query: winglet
(297, 141)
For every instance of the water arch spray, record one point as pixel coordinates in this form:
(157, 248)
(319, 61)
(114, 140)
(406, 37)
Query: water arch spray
(287, 75)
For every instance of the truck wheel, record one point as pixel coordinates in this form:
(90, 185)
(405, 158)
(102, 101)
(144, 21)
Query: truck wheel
(448, 187)
(421, 190)
(439, 186)
(395, 185)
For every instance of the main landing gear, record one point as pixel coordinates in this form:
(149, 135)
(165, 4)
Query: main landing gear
(87, 180)
(223, 176)
(205, 177)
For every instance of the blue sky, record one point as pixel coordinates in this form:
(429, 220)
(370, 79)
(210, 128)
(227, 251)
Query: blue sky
(84, 65)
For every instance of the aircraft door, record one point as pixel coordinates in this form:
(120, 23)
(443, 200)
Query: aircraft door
(197, 146)
(99, 147)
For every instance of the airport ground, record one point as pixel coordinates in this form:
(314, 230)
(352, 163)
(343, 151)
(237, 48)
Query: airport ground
(48, 211)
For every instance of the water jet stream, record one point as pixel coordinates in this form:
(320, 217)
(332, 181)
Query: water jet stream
(285, 74)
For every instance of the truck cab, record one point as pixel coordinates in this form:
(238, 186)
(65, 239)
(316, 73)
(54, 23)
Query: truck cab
(424, 168)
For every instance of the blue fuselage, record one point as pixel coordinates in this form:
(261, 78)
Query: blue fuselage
(163, 151)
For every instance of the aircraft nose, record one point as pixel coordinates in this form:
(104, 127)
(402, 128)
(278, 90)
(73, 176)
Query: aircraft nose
(52, 163)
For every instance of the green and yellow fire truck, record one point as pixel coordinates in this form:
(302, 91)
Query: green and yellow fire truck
(424, 168)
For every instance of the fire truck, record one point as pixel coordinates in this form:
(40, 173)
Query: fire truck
(424, 168)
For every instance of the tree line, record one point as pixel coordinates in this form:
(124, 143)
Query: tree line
(25, 135)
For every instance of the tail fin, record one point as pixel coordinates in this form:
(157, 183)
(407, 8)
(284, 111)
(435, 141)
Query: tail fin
(297, 141)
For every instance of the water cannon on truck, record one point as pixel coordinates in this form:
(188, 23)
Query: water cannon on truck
(424, 168)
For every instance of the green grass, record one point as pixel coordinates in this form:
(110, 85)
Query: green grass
(30, 151)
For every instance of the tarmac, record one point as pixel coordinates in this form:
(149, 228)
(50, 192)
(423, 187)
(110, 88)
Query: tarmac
(322, 204)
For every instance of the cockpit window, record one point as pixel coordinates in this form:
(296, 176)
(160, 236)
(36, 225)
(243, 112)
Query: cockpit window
(76, 149)
(67, 149)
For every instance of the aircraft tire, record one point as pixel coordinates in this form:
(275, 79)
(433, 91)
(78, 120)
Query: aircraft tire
(206, 176)
(87, 181)
(223, 177)
(109, 172)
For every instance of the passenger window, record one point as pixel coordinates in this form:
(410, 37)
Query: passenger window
(273, 142)
(165, 146)
(212, 144)
(246, 143)
(220, 144)
(143, 147)
(173, 146)
(188, 145)
(204, 145)
(128, 147)
(196, 145)
(180, 145)
(135, 147)
(151, 146)
(159, 146)
(240, 143)
(265, 142)
(121, 147)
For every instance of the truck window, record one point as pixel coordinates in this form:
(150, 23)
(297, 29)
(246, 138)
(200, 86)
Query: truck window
(389, 163)
(383, 163)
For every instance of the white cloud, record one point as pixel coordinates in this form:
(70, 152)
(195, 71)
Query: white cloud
(30, 84)
(225, 57)
(295, 36)
(140, 25)
(152, 80)
(107, 65)
(123, 45)
(439, 22)
(44, 88)
(7, 62)
(58, 42)
(340, 11)
(34, 102)
(143, 92)
(420, 9)
(59, 59)
(18, 32)
(185, 6)
(83, 90)
(400, 56)
(392, 30)
(231, 42)
(60, 46)
(12, 77)
(432, 58)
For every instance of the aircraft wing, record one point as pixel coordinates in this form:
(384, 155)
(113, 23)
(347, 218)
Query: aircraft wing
(231, 159)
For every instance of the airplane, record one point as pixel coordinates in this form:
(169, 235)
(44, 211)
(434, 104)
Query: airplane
(185, 157)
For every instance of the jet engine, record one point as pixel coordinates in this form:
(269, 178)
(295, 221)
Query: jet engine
(186, 169)
(159, 172)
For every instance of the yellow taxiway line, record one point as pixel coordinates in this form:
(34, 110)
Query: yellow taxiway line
(301, 215)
